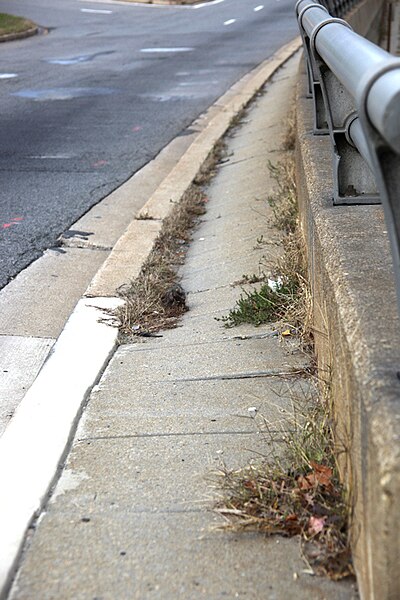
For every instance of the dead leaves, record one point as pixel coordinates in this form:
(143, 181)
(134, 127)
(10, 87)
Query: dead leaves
(320, 475)
(309, 504)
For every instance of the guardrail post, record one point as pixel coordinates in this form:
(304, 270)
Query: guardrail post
(334, 111)
(314, 86)
(354, 181)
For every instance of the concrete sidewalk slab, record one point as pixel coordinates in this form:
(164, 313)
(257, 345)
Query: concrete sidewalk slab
(218, 359)
(164, 408)
(38, 302)
(154, 566)
(151, 473)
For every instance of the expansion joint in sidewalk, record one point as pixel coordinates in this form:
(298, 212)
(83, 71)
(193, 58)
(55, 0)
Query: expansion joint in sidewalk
(159, 435)
(251, 375)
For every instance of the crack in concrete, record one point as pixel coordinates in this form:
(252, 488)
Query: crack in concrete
(251, 375)
(128, 436)
(163, 347)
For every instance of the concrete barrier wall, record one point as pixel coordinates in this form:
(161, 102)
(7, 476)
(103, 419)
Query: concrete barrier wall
(366, 19)
(357, 333)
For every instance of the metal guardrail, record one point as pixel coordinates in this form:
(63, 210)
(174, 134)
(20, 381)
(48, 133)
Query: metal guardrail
(355, 86)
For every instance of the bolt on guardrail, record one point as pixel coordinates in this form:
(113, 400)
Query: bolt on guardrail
(355, 87)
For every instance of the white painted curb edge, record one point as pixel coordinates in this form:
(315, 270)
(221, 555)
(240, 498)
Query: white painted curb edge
(34, 444)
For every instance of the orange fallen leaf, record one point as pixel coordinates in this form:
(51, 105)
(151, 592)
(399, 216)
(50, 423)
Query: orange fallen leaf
(306, 483)
(250, 485)
(291, 517)
(322, 474)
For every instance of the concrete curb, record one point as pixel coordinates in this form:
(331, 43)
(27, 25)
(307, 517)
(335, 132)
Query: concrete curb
(9, 37)
(33, 447)
(35, 441)
(357, 333)
(357, 336)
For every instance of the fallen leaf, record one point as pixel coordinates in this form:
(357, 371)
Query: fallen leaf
(292, 517)
(250, 485)
(322, 474)
(305, 483)
(316, 525)
(286, 332)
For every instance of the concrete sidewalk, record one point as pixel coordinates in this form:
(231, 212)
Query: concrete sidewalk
(130, 515)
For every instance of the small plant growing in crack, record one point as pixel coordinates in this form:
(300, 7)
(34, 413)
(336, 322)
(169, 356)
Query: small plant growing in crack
(284, 298)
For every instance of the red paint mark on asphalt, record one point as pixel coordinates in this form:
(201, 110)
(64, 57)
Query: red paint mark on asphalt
(14, 221)
(100, 163)
(136, 128)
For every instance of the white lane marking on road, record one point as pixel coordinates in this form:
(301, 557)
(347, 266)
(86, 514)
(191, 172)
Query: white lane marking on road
(65, 61)
(96, 12)
(230, 21)
(203, 4)
(193, 83)
(260, 7)
(51, 156)
(8, 75)
(183, 49)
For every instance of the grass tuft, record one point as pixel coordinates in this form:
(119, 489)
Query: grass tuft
(284, 201)
(12, 24)
(269, 303)
(296, 492)
(285, 297)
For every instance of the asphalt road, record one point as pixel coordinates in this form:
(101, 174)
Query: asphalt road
(88, 104)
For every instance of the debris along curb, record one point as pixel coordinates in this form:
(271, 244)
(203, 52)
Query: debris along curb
(34, 445)
(126, 259)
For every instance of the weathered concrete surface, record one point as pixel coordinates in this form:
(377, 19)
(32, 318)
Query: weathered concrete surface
(128, 256)
(366, 19)
(358, 339)
(128, 517)
(178, 557)
(40, 299)
(180, 407)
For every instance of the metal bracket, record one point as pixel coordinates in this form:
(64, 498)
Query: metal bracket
(314, 88)
(354, 182)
